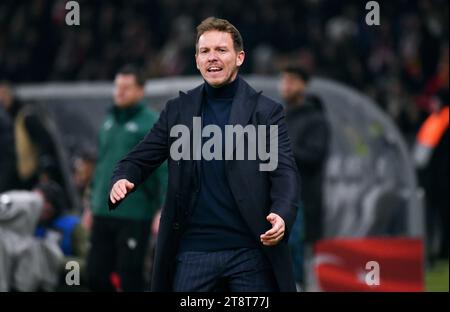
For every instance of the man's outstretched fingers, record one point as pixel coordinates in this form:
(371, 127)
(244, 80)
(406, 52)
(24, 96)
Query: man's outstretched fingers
(116, 194)
(114, 191)
(269, 243)
(273, 230)
(120, 190)
(274, 240)
(271, 218)
(270, 232)
(123, 189)
(272, 237)
(279, 236)
(276, 233)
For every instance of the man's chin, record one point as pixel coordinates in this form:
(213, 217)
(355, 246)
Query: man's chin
(123, 104)
(217, 83)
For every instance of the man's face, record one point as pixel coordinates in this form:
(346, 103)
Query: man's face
(126, 90)
(292, 88)
(83, 173)
(216, 58)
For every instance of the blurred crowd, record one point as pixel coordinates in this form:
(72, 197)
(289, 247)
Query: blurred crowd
(402, 61)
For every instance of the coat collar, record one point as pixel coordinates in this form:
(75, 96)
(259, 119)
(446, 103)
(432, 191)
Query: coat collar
(243, 104)
(242, 108)
(125, 114)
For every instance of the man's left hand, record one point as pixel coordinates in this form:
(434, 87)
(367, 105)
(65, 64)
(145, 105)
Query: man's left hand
(276, 233)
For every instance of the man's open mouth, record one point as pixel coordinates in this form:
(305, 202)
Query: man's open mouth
(214, 69)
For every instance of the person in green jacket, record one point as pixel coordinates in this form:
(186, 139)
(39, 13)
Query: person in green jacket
(120, 238)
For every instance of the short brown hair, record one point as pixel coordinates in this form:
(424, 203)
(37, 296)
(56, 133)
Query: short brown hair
(297, 70)
(214, 23)
(130, 69)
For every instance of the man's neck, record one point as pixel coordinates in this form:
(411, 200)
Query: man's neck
(297, 102)
(128, 106)
(222, 92)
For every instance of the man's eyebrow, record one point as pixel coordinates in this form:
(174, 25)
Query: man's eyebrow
(215, 47)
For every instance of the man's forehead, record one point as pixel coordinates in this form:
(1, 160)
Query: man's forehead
(214, 38)
(129, 78)
(292, 76)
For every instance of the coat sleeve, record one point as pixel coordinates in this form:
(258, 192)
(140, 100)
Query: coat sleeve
(285, 178)
(145, 157)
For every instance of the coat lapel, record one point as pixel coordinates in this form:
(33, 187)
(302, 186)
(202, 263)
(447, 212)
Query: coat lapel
(242, 106)
(191, 107)
(242, 109)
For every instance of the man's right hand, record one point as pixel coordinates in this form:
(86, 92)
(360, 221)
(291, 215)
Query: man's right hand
(120, 190)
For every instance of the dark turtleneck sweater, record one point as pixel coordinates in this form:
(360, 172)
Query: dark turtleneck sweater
(216, 223)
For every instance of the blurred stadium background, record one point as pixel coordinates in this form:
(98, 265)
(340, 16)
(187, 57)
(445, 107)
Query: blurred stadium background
(379, 84)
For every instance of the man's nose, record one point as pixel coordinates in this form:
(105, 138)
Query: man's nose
(212, 56)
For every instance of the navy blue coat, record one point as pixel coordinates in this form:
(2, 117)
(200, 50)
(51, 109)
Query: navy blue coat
(257, 193)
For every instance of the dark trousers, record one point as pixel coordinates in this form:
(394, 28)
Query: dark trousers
(120, 246)
(236, 270)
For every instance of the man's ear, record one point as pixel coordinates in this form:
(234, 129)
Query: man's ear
(240, 58)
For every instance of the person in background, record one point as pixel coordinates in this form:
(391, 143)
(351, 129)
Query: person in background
(29, 262)
(431, 159)
(40, 155)
(309, 133)
(37, 157)
(55, 219)
(119, 240)
(83, 170)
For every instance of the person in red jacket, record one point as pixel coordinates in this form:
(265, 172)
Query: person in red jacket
(431, 158)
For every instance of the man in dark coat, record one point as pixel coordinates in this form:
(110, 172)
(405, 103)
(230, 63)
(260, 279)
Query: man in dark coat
(225, 222)
(310, 137)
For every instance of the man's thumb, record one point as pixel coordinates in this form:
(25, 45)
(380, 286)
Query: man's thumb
(130, 185)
